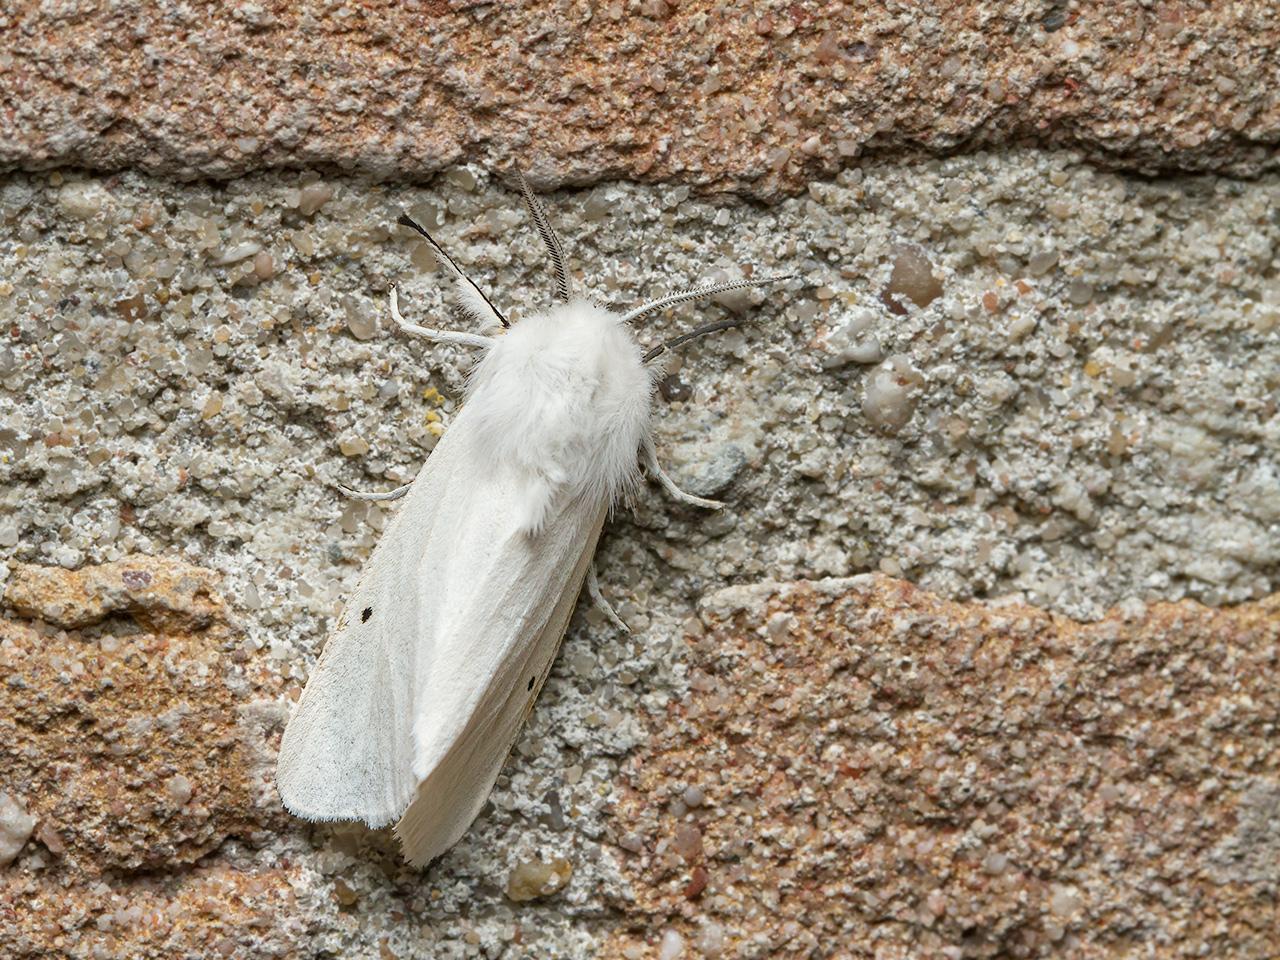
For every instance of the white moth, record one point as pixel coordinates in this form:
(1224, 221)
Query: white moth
(441, 651)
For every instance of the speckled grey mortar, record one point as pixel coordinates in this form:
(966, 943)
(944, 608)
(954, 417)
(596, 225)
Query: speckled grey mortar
(187, 368)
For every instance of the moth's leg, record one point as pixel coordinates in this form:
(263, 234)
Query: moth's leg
(598, 598)
(438, 336)
(395, 494)
(669, 485)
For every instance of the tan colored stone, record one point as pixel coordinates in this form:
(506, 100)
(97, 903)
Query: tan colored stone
(756, 97)
(158, 593)
(885, 773)
(535, 879)
(206, 911)
(139, 733)
(132, 721)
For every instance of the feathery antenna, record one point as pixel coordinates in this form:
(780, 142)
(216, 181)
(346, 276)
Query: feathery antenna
(696, 293)
(549, 238)
(472, 297)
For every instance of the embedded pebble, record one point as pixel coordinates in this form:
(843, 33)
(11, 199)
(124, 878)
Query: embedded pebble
(673, 389)
(688, 841)
(1064, 901)
(241, 251)
(15, 828)
(868, 351)
(1080, 292)
(83, 199)
(1041, 263)
(178, 788)
(534, 879)
(343, 894)
(734, 300)
(597, 206)
(462, 178)
(891, 393)
(780, 625)
(264, 267)
(709, 940)
(713, 471)
(361, 320)
(312, 197)
(672, 946)
(851, 341)
(1022, 325)
(51, 838)
(913, 278)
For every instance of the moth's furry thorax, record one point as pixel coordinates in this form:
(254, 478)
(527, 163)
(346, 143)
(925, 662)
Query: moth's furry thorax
(562, 401)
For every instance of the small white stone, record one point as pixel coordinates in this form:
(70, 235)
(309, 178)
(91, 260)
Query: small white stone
(1021, 325)
(312, 197)
(462, 178)
(1064, 901)
(238, 252)
(178, 788)
(672, 946)
(735, 300)
(850, 341)
(780, 625)
(868, 351)
(83, 199)
(15, 828)
(891, 393)
(709, 940)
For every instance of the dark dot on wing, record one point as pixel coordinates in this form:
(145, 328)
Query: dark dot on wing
(530, 687)
(365, 614)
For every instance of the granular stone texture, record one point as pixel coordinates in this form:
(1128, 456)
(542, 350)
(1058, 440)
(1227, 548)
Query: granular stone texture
(1086, 412)
(757, 97)
(119, 726)
(860, 769)
(221, 910)
(996, 376)
(140, 735)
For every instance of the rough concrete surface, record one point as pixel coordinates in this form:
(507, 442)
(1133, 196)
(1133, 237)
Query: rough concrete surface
(757, 97)
(1084, 411)
(999, 376)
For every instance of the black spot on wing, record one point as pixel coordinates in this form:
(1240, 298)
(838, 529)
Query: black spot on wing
(365, 614)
